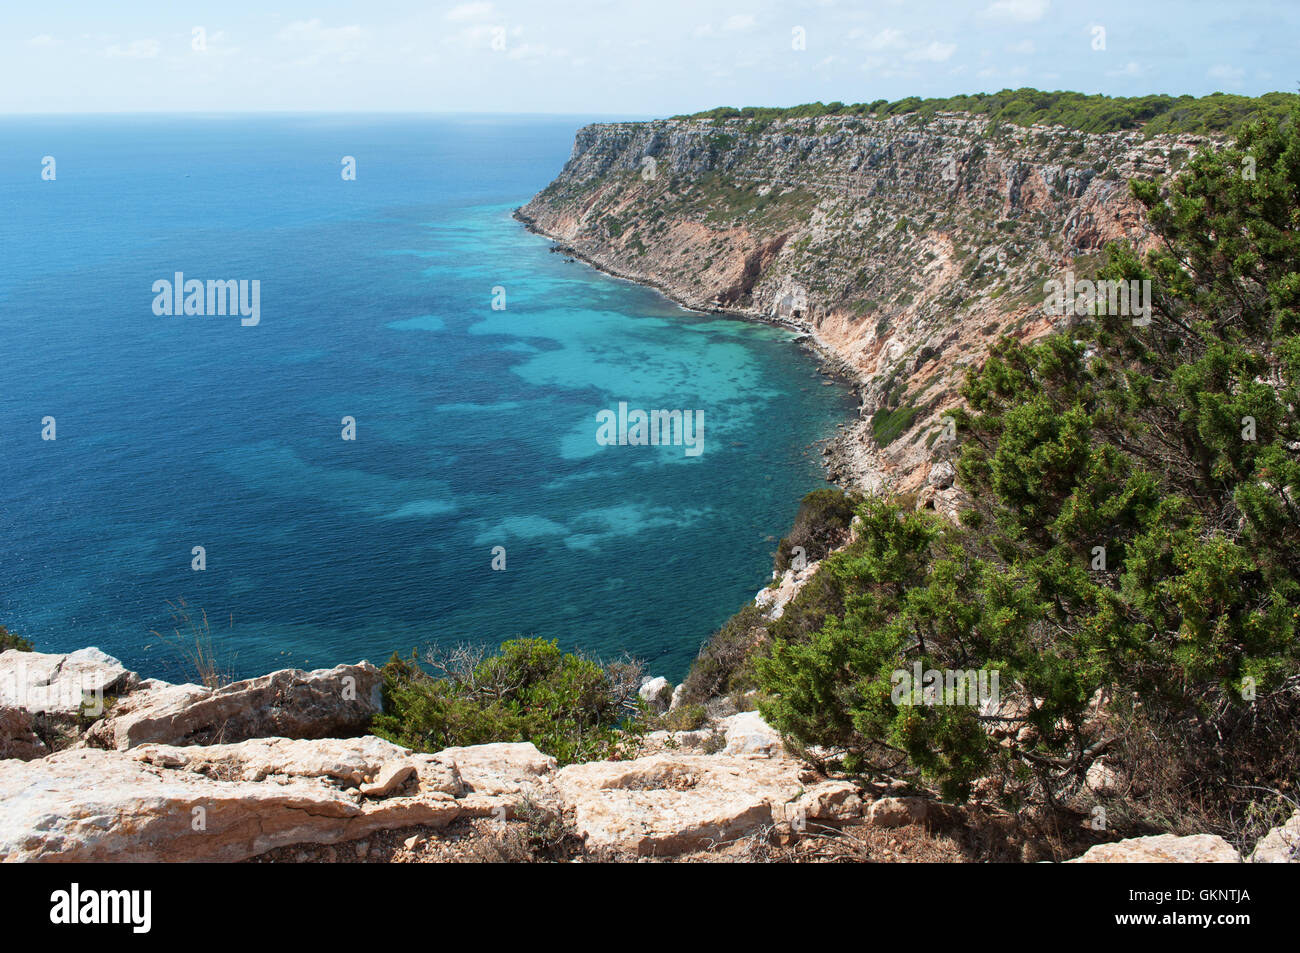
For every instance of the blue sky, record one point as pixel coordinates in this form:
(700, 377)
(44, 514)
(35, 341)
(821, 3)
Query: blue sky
(624, 57)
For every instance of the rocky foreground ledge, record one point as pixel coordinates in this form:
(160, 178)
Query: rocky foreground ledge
(267, 765)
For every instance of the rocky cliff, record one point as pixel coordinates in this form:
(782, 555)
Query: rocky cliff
(97, 764)
(902, 246)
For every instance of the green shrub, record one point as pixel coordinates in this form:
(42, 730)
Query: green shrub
(569, 707)
(686, 718)
(714, 743)
(820, 525)
(10, 641)
(1144, 450)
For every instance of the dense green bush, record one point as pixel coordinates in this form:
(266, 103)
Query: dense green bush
(690, 717)
(1135, 535)
(570, 707)
(10, 641)
(820, 525)
(1218, 112)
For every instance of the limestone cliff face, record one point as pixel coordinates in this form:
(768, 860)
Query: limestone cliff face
(903, 247)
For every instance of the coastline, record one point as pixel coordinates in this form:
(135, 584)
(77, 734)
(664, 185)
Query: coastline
(847, 459)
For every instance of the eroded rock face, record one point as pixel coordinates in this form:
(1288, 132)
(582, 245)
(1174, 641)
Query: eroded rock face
(829, 226)
(291, 703)
(218, 803)
(773, 599)
(1163, 849)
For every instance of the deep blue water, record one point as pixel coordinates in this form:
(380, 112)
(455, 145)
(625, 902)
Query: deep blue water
(475, 427)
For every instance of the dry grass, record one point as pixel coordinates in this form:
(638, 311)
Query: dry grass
(191, 639)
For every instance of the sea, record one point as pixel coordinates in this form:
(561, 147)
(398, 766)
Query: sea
(397, 447)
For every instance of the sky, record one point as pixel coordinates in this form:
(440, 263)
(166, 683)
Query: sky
(621, 57)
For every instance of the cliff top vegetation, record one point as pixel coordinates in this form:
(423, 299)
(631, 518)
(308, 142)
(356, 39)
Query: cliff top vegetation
(1154, 115)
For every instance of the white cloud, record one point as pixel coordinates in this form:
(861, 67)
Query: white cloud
(935, 52)
(135, 50)
(1128, 69)
(1228, 74)
(1023, 11)
(1023, 48)
(318, 42)
(42, 40)
(737, 23)
(469, 11)
(536, 51)
(886, 39)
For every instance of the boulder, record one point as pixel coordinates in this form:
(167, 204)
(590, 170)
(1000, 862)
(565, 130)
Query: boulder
(220, 803)
(652, 692)
(1163, 849)
(1104, 780)
(941, 475)
(669, 804)
(290, 703)
(897, 811)
(677, 697)
(831, 801)
(1281, 845)
(61, 686)
(748, 735)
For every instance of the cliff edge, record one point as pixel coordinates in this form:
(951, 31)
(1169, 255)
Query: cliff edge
(902, 245)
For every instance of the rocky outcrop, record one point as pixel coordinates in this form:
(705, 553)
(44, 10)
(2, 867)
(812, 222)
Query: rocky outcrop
(216, 803)
(773, 599)
(326, 703)
(185, 773)
(507, 771)
(1163, 849)
(61, 686)
(902, 246)
(232, 801)
(749, 736)
(670, 804)
(47, 698)
(656, 692)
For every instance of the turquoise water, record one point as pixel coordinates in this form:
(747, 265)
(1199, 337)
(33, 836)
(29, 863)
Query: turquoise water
(475, 428)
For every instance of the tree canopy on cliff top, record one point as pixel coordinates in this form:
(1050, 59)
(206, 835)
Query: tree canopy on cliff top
(1218, 112)
(1172, 450)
